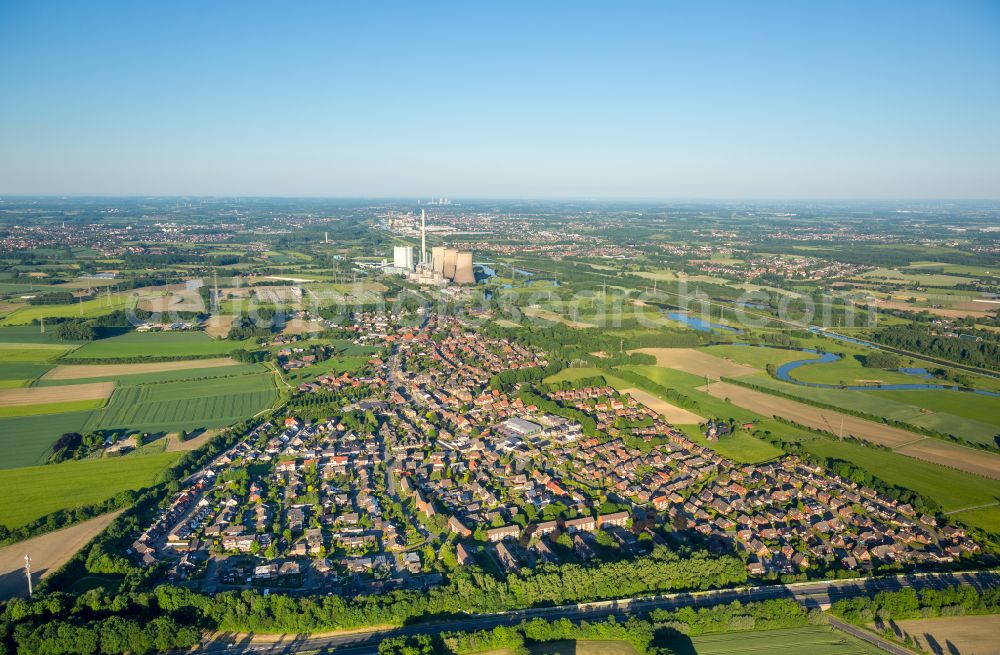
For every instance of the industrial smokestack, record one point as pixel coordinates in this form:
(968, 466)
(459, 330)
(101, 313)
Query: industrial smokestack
(423, 237)
(463, 269)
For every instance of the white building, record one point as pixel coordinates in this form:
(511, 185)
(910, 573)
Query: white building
(402, 258)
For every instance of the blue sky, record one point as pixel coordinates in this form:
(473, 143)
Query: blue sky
(533, 99)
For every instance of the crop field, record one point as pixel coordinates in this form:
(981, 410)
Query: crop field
(175, 375)
(970, 416)
(86, 309)
(27, 440)
(917, 279)
(957, 634)
(19, 334)
(698, 362)
(82, 371)
(30, 492)
(30, 352)
(583, 647)
(966, 459)
(37, 409)
(815, 640)
(691, 385)
(66, 393)
(184, 405)
(49, 552)
(672, 413)
(155, 344)
(19, 374)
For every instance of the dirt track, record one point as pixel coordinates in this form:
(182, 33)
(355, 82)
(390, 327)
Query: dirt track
(63, 394)
(697, 362)
(672, 413)
(903, 442)
(82, 371)
(48, 552)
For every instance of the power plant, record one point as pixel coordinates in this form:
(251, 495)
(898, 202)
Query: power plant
(444, 264)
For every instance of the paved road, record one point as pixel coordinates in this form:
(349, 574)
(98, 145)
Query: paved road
(811, 594)
(870, 637)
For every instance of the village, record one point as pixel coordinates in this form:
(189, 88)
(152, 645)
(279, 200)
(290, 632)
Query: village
(440, 456)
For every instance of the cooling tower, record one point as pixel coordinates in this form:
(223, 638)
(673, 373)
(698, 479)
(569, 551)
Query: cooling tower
(450, 257)
(437, 259)
(463, 269)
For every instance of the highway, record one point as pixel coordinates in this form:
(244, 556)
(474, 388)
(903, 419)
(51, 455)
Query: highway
(810, 594)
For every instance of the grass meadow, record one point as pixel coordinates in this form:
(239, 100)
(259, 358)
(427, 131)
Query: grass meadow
(34, 491)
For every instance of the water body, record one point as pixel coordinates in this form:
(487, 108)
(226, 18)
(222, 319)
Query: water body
(699, 324)
(784, 374)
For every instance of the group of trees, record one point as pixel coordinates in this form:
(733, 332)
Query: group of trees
(983, 353)
(911, 604)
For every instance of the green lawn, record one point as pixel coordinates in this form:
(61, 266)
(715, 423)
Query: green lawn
(740, 447)
(335, 365)
(27, 440)
(185, 405)
(31, 492)
(814, 640)
(155, 344)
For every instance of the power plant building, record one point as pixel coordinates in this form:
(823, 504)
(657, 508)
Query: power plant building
(463, 268)
(437, 259)
(402, 258)
(450, 260)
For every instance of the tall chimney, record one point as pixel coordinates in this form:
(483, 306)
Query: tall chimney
(423, 237)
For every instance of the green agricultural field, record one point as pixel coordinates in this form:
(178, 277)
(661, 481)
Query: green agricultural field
(51, 408)
(85, 309)
(30, 334)
(848, 371)
(155, 344)
(31, 352)
(19, 374)
(970, 416)
(688, 384)
(31, 492)
(919, 279)
(162, 376)
(185, 405)
(27, 440)
(815, 640)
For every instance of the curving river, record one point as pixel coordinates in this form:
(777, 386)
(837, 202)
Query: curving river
(783, 373)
